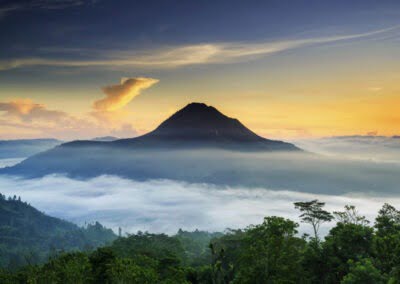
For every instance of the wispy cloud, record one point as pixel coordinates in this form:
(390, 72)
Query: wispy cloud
(206, 53)
(59, 4)
(4, 10)
(14, 6)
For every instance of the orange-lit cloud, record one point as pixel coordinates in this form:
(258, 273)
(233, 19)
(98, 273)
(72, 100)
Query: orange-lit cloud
(24, 118)
(118, 96)
(27, 110)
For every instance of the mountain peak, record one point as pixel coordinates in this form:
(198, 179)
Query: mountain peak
(204, 126)
(195, 106)
(200, 110)
(200, 121)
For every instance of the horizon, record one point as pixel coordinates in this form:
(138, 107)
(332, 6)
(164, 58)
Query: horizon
(355, 135)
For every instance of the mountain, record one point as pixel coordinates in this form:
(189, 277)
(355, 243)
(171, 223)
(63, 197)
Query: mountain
(28, 236)
(199, 126)
(184, 140)
(25, 147)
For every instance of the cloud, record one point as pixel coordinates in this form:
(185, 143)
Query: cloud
(375, 89)
(59, 4)
(10, 162)
(7, 8)
(118, 96)
(4, 10)
(166, 206)
(369, 147)
(27, 110)
(32, 120)
(178, 56)
(126, 130)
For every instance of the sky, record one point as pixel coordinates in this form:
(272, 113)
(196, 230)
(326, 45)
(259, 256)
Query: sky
(77, 69)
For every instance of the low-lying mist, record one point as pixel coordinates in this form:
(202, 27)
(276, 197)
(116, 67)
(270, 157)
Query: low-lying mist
(221, 190)
(9, 162)
(375, 148)
(165, 205)
(302, 172)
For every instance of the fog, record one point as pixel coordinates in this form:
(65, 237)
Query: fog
(166, 206)
(9, 162)
(302, 172)
(234, 191)
(374, 148)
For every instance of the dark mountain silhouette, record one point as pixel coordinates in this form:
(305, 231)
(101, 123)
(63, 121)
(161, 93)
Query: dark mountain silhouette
(198, 125)
(198, 122)
(178, 141)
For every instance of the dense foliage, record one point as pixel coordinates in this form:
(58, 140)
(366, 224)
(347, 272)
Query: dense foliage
(28, 236)
(272, 252)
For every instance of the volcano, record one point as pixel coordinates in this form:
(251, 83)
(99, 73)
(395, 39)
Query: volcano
(196, 127)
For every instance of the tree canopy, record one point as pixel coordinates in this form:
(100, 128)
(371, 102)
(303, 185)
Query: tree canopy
(353, 251)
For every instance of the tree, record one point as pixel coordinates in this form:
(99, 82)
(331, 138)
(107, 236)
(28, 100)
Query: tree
(363, 271)
(343, 243)
(350, 215)
(312, 213)
(100, 260)
(125, 270)
(387, 240)
(67, 268)
(271, 253)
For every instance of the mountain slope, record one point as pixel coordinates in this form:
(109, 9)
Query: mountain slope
(27, 234)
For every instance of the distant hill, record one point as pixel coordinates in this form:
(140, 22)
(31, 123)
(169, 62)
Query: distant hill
(25, 147)
(105, 139)
(29, 236)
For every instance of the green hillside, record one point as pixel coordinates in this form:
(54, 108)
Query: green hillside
(28, 236)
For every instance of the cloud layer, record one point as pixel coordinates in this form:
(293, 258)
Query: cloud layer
(118, 96)
(166, 206)
(365, 147)
(177, 56)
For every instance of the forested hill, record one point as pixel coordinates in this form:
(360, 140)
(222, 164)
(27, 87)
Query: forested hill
(29, 236)
(354, 251)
